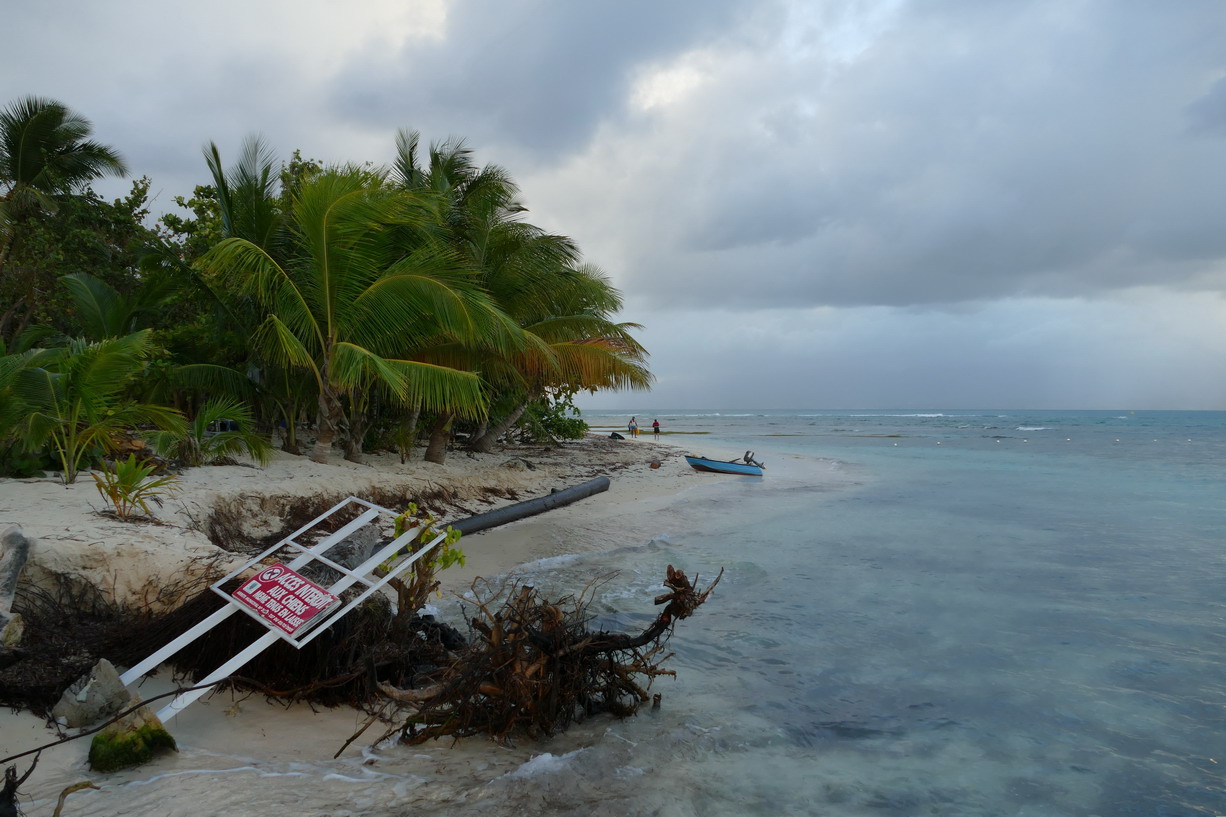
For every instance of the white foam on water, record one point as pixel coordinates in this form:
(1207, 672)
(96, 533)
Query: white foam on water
(544, 764)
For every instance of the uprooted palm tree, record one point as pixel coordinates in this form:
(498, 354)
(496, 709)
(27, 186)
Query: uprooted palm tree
(359, 286)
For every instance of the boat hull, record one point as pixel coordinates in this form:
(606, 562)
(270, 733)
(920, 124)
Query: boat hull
(723, 467)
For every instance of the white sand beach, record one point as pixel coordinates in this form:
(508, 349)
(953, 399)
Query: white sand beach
(129, 562)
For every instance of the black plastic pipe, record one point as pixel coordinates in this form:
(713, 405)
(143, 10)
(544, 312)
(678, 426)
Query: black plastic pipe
(531, 507)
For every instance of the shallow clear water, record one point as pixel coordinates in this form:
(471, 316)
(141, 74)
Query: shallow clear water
(1024, 619)
(990, 613)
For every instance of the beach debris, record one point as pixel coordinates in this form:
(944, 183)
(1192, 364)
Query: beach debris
(519, 464)
(14, 551)
(133, 740)
(556, 498)
(8, 792)
(96, 695)
(534, 666)
(74, 788)
(67, 629)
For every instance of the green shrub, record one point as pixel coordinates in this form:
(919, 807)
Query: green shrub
(21, 465)
(543, 421)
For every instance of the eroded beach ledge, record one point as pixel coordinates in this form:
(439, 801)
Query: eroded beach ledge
(222, 512)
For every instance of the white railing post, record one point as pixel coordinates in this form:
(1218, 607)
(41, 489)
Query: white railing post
(362, 574)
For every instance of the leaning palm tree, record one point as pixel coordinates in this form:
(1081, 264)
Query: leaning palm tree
(564, 308)
(578, 346)
(45, 152)
(349, 285)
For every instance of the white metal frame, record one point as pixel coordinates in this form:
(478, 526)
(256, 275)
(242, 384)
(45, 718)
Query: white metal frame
(362, 574)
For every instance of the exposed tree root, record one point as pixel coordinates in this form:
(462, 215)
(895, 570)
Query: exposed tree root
(531, 667)
(535, 667)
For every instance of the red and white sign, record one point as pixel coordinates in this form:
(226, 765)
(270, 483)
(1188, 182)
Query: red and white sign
(285, 600)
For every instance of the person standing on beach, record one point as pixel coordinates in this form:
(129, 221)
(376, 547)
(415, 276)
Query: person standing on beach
(655, 428)
(633, 427)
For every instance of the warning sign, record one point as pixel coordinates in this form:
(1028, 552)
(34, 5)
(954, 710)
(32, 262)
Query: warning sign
(286, 600)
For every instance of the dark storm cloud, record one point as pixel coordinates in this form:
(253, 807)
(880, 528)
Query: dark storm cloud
(539, 76)
(970, 152)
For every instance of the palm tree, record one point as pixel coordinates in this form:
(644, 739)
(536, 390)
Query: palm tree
(45, 152)
(564, 309)
(471, 203)
(247, 193)
(349, 289)
(222, 428)
(73, 398)
(105, 312)
(585, 348)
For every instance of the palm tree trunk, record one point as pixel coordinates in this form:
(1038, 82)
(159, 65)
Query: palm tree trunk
(359, 419)
(289, 437)
(407, 440)
(480, 430)
(327, 423)
(486, 442)
(436, 451)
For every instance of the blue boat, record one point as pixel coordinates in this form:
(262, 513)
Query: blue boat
(750, 468)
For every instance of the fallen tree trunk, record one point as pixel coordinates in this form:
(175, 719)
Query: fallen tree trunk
(531, 507)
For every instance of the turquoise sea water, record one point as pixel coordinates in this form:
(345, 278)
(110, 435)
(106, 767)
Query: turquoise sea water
(1002, 613)
(922, 613)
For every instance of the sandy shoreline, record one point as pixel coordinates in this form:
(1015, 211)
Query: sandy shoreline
(129, 560)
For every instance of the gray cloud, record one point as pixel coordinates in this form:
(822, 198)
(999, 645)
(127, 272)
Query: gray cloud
(1140, 350)
(539, 76)
(909, 203)
(1208, 113)
(1036, 149)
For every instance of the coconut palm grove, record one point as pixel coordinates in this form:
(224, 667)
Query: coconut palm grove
(329, 310)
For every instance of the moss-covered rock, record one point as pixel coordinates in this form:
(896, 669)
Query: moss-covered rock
(135, 740)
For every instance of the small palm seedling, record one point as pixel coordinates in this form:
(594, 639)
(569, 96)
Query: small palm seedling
(200, 445)
(128, 484)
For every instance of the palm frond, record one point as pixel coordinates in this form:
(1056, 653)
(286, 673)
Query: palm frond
(282, 347)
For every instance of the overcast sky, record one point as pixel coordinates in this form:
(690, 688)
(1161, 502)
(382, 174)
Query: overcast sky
(938, 204)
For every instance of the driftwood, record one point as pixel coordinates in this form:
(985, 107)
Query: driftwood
(535, 667)
(8, 792)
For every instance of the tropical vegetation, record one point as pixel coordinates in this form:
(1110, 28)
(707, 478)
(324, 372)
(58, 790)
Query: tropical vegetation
(365, 308)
